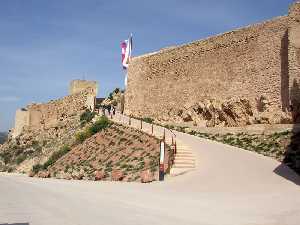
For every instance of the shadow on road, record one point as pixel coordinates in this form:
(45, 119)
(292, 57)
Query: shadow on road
(286, 172)
(292, 153)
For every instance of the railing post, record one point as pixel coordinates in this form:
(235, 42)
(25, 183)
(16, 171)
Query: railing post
(152, 128)
(162, 160)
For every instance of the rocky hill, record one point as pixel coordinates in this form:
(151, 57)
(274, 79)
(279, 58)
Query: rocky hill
(35, 146)
(87, 148)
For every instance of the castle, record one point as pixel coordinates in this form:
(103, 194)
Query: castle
(240, 76)
(246, 76)
(82, 95)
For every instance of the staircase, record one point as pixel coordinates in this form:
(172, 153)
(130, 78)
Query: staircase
(184, 157)
(184, 160)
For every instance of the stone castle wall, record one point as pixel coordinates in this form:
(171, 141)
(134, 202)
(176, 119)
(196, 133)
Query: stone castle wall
(54, 113)
(258, 64)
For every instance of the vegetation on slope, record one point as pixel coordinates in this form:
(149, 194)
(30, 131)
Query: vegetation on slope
(114, 153)
(32, 147)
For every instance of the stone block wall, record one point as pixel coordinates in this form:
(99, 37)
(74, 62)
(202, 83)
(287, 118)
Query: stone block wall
(294, 59)
(77, 86)
(54, 113)
(251, 63)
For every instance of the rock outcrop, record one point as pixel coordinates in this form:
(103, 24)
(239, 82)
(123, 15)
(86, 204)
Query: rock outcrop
(232, 112)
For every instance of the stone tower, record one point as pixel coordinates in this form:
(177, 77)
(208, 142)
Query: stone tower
(77, 86)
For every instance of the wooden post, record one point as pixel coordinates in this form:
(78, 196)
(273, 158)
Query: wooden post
(141, 124)
(152, 128)
(164, 134)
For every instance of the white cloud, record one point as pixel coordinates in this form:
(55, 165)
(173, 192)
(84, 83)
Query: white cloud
(9, 99)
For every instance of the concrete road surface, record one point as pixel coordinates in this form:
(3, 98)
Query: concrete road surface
(229, 187)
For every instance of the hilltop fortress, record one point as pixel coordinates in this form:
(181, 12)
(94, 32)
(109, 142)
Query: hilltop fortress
(250, 75)
(56, 113)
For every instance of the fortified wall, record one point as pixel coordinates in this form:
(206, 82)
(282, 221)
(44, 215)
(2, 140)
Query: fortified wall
(249, 75)
(56, 112)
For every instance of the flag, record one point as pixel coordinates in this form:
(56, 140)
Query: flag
(126, 47)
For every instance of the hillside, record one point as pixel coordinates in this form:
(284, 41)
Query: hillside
(35, 146)
(91, 149)
(116, 153)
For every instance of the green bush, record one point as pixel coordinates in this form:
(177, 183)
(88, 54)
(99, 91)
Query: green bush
(37, 167)
(20, 159)
(80, 137)
(87, 116)
(99, 125)
(56, 155)
(148, 120)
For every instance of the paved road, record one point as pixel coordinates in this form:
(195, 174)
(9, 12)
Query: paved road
(230, 186)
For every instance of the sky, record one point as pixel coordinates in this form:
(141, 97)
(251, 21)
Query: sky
(46, 44)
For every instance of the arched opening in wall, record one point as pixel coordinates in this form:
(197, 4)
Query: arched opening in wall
(284, 73)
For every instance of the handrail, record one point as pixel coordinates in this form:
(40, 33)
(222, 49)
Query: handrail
(173, 135)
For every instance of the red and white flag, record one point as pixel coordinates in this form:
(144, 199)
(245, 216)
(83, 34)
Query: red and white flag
(126, 47)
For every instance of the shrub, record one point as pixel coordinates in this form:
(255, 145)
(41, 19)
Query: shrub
(87, 116)
(148, 120)
(37, 167)
(20, 159)
(80, 137)
(6, 156)
(56, 155)
(99, 125)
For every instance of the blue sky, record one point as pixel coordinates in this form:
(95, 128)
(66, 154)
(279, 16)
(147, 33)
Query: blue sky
(45, 44)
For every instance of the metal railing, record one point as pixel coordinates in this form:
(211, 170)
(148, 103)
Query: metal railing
(154, 129)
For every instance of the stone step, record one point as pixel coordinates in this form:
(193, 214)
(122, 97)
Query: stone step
(178, 154)
(184, 164)
(184, 152)
(185, 159)
(188, 166)
(188, 160)
(179, 171)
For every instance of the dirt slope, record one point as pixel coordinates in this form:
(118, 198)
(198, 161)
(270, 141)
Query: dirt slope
(116, 153)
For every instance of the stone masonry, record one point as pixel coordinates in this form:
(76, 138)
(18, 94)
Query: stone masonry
(77, 86)
(257, 66)
(51, 114)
